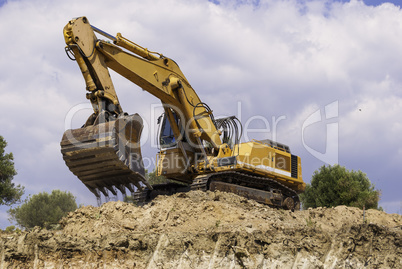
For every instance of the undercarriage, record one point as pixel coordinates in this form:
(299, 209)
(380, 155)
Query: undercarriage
(261, 189)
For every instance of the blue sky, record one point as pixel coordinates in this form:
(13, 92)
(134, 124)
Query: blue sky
(326, 82)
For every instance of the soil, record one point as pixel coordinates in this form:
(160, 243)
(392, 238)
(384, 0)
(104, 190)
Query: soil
(209, 230)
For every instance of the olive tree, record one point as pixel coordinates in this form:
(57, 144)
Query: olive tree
(335, 185)
(44, 210)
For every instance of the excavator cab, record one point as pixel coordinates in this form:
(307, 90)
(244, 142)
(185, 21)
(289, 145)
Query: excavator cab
(167, 138)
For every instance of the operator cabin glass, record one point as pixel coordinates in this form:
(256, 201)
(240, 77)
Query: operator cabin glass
(167, 138)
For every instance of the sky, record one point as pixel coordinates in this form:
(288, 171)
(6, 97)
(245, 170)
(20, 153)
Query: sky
(323, 77)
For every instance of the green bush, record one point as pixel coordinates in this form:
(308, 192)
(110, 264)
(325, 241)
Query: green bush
(9, 193)
(43, 209)
(335, 185)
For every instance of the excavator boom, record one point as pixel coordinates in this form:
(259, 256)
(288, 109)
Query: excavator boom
(101, 154)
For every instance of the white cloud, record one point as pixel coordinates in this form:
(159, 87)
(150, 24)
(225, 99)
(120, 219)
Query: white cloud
(278, 58)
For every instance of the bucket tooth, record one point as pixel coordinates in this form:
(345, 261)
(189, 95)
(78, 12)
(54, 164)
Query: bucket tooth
(104, 191)
(131, 188)
(95, 191)
(112, 189)
(107, 156)
(122, 189)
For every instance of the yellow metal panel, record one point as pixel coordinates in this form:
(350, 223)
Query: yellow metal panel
(255, 154)
(172, 163)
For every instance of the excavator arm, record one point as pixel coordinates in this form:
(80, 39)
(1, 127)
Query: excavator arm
(105, 154)
(160, 76)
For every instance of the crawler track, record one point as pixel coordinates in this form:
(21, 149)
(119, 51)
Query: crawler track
(262, 189)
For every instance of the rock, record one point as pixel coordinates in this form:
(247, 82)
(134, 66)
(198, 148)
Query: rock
(209, 230)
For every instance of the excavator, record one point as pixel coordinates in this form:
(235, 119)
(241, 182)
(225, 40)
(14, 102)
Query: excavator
(196, 151)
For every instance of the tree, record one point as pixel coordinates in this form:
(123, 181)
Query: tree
(9, 193)
(335, 185)
(153, 178)
(43, 209)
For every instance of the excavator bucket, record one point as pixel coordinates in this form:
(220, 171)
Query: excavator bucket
(106, 157)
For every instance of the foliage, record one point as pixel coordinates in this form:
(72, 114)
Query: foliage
(129, 199)
(335, 185)
(43, 209)
(9, 193)
(153, 178)
(310, 223)
(12, 229)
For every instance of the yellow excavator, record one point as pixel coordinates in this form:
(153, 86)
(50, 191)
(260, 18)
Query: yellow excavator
(196, 151)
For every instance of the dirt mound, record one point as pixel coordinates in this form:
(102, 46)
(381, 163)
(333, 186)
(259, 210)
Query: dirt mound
(210, 230)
